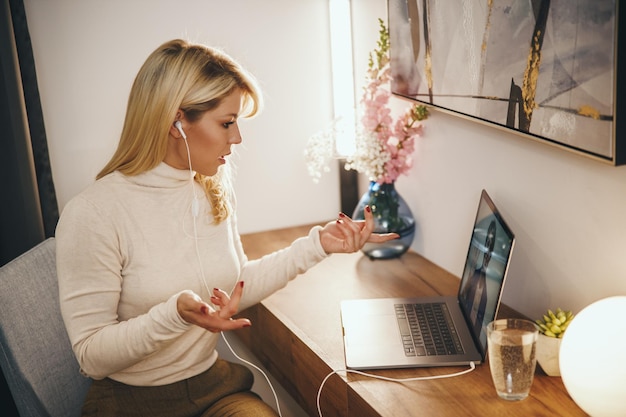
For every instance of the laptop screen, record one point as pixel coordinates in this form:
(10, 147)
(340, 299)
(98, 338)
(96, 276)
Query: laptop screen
(485, 268)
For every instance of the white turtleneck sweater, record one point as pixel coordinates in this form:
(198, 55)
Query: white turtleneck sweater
(126, 248)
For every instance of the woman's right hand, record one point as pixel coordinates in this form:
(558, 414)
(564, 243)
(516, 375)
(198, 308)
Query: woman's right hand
(195, 311)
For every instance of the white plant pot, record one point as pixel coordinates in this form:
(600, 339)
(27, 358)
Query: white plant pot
(547, 353)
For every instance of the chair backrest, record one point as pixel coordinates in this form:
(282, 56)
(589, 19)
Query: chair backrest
(35, 352)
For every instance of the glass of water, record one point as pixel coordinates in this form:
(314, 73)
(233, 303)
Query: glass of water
(511, 345)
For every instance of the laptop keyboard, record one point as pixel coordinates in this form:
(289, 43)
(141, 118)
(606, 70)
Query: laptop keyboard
(427, 329)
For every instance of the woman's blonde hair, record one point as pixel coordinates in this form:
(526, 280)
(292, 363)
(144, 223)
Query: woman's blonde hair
(179, 75)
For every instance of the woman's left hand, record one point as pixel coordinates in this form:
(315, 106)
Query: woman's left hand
(193, 310)
(346, 235)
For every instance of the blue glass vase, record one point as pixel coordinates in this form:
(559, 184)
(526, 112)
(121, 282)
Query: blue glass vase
(391, 215)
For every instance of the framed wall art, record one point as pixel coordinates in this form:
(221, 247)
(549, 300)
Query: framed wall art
(546, 69)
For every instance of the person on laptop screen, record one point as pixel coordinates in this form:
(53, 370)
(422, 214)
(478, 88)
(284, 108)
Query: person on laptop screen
(475, 293)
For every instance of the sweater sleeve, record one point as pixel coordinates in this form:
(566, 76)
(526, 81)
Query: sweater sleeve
(89, 264)
(266, 275)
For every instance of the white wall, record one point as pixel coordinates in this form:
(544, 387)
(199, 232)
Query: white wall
(568, 211)
(88, 52)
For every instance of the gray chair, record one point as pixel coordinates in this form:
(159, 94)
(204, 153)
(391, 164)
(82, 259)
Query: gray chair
(35, 352)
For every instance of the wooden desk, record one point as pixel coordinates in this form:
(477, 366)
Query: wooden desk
(296, 333)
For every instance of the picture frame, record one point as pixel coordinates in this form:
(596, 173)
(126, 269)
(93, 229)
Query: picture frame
(545, 69)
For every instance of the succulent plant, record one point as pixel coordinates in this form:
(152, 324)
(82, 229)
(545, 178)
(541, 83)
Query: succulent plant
(554, 324)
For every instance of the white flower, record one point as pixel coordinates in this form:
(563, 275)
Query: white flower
(319, 151)
(370, 157)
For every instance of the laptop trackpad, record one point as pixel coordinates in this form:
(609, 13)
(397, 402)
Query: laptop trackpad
(374, 332)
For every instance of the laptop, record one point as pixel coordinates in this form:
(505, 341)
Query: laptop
(377, 332)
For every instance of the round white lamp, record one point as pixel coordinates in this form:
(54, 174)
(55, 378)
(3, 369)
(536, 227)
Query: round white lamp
(593, 358)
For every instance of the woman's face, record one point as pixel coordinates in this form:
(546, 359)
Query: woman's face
(210, 138)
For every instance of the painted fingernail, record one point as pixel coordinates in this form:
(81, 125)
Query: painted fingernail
(342, 215)
(369, 210)
(241, 284)
(216, 289)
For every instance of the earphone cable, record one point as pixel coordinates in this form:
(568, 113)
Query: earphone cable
(258, 369)
(195, 212)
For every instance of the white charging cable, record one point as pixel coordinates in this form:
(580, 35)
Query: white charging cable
(384, 378)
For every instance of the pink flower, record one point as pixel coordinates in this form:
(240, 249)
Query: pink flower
(393, 143)
(384, 146)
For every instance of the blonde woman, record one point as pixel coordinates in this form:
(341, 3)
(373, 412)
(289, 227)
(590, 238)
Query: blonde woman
(143, 253)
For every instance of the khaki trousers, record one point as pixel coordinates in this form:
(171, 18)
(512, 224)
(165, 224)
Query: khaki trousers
(221, 391)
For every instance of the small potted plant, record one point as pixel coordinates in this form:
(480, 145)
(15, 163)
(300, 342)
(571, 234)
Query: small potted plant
(552, 326)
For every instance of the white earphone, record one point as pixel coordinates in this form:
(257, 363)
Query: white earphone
(179, 126)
